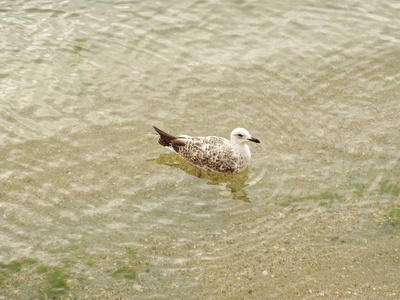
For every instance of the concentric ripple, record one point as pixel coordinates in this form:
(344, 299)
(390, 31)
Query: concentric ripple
(91, 205)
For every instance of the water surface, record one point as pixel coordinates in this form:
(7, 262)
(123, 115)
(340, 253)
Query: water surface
(91, 206)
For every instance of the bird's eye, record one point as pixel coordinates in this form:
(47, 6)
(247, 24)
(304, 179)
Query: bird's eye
(240, 135)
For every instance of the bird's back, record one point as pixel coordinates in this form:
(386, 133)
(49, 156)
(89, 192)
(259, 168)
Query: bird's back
(211, 153)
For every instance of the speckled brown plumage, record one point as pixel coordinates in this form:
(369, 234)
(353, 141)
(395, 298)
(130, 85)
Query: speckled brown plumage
(211, 153)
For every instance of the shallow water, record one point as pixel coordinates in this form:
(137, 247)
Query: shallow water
(89, 200)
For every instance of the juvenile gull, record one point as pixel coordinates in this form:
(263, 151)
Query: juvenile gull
(212, 153)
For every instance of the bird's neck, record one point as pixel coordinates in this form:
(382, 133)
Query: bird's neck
(243, 150)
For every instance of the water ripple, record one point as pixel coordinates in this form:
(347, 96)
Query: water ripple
(87, 189)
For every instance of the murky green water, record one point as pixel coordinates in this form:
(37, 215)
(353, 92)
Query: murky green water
(91, 207)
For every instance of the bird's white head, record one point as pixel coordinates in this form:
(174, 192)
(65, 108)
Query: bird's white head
(242, 136)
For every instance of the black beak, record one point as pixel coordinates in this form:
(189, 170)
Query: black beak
(254, 140)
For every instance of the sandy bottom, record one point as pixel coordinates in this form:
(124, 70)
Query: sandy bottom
(307, 257)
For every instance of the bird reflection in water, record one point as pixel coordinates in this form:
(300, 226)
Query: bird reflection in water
(235, 183)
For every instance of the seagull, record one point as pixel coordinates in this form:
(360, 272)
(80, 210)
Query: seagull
(212, 153)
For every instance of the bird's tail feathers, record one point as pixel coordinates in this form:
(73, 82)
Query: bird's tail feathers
(165, 138)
